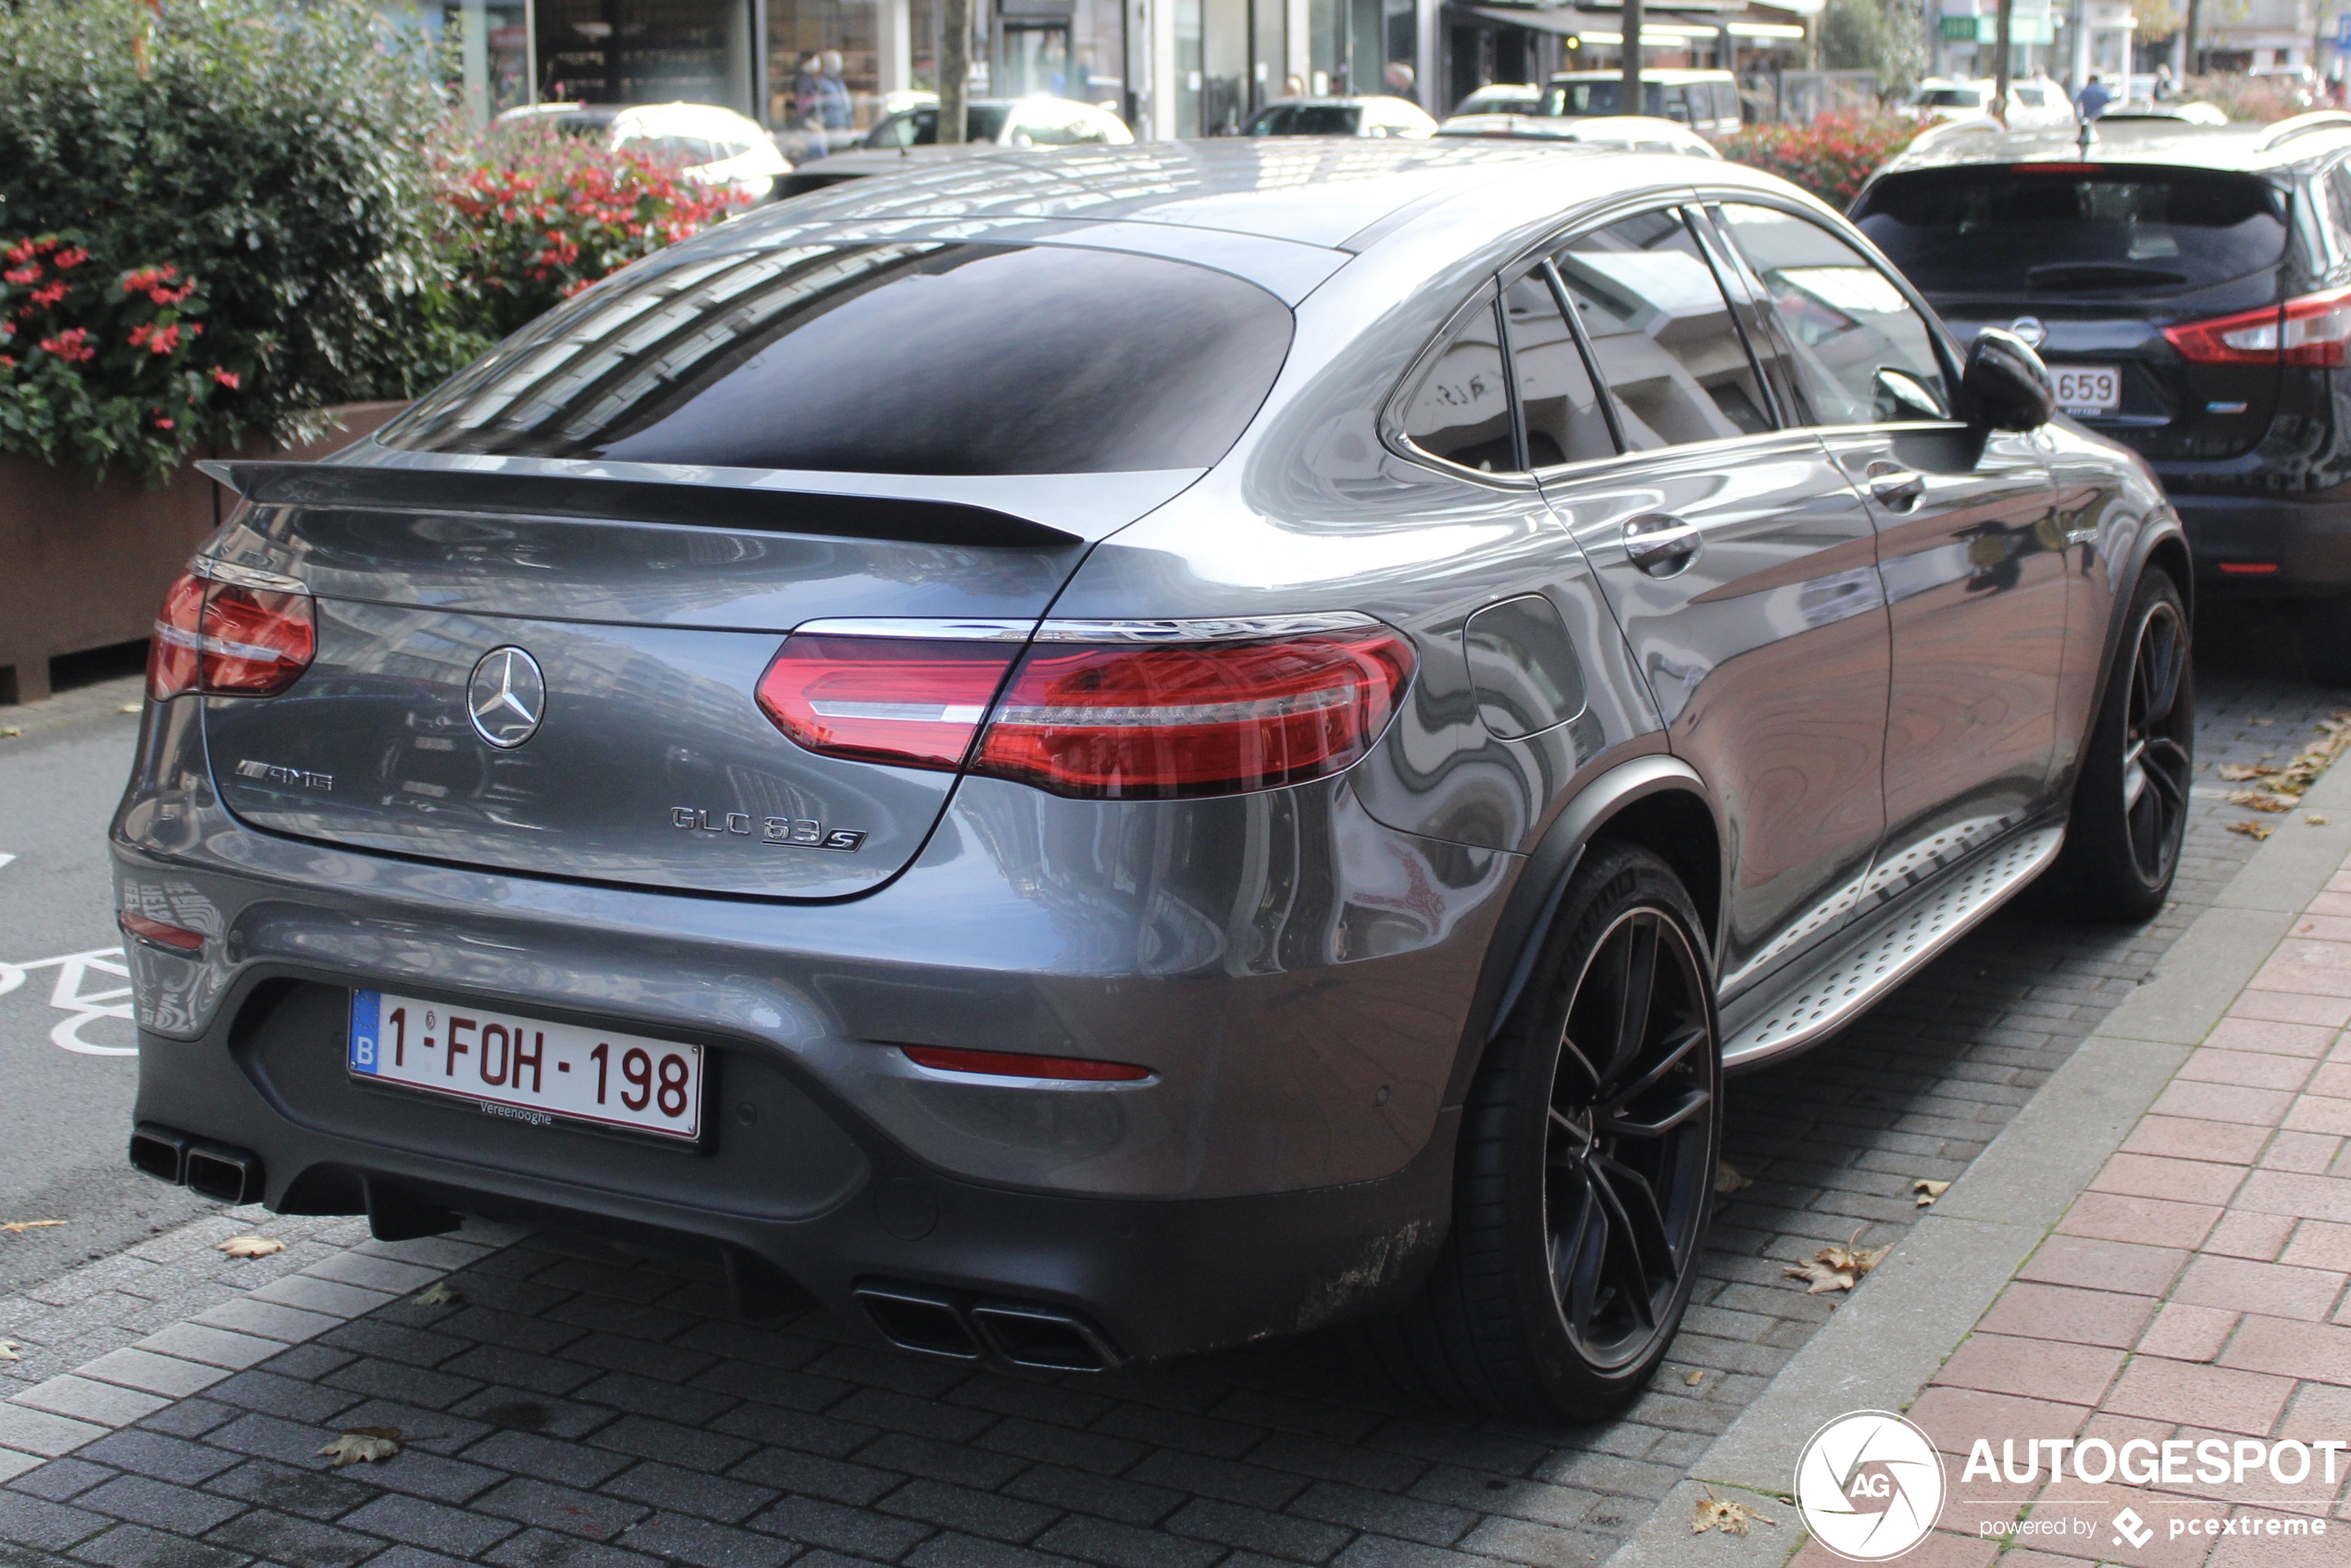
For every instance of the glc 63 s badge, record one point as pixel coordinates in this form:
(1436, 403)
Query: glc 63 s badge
(785, 833)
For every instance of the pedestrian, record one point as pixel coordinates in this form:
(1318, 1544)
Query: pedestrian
(834, 110)
(1400, 79)
(2094, 98)
(806, 71)
(1293, 86)
(2162, 89)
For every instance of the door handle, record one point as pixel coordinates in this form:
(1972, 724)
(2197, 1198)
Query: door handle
(1660, 545)
(1897, 489)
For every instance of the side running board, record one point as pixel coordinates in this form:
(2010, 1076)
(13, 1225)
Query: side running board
(1884, 955)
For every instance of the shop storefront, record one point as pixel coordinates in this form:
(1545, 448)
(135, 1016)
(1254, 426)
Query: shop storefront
(1171, 67)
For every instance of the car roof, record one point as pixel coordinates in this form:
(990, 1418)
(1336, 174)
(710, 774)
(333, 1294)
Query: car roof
(1283, 212)
(2245, 147)
(1649, 73)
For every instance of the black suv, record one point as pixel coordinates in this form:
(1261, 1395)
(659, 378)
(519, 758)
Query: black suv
(2190, 287)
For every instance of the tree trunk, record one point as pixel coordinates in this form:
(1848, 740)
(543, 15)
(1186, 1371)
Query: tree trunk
(1629, 96)
(955, 68)
(2189, 64)
(2000, 61)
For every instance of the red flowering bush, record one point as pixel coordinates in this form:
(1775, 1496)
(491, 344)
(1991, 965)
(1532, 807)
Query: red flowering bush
(531, 217)
(109, 367)
(1830, 157)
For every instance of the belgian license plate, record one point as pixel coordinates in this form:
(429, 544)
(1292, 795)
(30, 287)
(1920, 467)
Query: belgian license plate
(2087, 388)
(527, 1068)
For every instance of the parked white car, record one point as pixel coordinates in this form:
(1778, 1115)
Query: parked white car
(1636, 133)
(2034, 102)
(718, 148)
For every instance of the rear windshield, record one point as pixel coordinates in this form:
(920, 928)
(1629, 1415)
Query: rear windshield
(919, 358)
(919, 128)
(2007, 230)
(1307, 119)
(1949, 98)
(1602, 98)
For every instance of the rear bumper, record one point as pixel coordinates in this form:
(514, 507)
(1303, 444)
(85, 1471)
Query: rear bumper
(2305, 538)
(1296, 977)
(828, 1206)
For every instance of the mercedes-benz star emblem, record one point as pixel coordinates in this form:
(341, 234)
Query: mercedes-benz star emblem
(2029, 328)
(507, 697)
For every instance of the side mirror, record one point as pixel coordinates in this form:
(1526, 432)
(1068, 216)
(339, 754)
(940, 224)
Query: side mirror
(2011, 385)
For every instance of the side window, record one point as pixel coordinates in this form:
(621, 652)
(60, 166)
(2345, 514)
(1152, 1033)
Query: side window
(2339, 204)
(1556, 398)
(1859, 354)
(1460, 409)
(1677, 105)
(1726, 101)
(1662, 333)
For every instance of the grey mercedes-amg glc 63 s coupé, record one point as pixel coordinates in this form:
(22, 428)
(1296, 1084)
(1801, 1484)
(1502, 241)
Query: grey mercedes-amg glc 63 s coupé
(1089, 754)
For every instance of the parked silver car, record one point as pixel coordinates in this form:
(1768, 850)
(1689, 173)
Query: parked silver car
(1093, 754)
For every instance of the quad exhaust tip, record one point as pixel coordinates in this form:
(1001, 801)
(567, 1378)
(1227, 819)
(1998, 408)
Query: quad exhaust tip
(949, 1327)
(217, 1171)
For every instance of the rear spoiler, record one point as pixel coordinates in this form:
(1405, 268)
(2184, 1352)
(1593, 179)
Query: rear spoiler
(351, 486)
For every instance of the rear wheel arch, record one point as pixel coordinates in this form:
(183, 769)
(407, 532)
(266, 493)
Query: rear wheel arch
(1657, 803)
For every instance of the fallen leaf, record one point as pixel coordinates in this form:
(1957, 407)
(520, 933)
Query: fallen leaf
(2256, 831)
(9, 732)
(363, 1445)
(9, 1348)
(2317, 818)
(1928, 1192)
(1721, 1514)
(1729, 1178)
(2263, 800)
(251, 1246)
(1694, 1378)
(1837, 1266)
(128, 708)
(18, 1227)
(2264, 722)
(437, 1294)
(2239, 771)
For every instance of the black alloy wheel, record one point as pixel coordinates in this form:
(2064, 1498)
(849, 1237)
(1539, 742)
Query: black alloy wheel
(1630, 1159)
(2131, 799)
(1584, 1168)
(2157, 736)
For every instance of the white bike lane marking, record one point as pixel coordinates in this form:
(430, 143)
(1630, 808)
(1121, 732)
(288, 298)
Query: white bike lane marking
(72, 996)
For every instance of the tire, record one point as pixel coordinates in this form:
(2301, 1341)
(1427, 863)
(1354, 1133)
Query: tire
(2326, 640)
(2131, 801)
(1544, 1170)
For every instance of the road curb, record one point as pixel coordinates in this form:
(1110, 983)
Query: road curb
(1891, 1336)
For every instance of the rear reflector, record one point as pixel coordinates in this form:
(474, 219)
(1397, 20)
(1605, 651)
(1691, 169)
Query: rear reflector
(1108, 710)
(2311, 330)
(2249, 569)
(162, 934)
(1014, 1065)
(229, 638)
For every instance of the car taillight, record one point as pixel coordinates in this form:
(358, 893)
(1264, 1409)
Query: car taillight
(1162, 722)
(230, 637)
(1159, 709)
(913, 702)
(2312, 330)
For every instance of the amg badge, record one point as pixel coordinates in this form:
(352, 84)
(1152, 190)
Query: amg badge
(789, 832)
(300, 777)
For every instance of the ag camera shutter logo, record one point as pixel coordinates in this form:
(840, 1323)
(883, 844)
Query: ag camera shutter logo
(1870, 1486)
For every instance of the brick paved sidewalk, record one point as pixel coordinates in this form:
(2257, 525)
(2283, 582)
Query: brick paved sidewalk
(2196, 1290)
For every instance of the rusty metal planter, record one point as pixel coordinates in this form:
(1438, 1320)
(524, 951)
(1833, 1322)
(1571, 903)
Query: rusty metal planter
(84, 565)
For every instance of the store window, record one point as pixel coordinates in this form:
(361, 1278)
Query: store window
(824, 64)
(645, 51)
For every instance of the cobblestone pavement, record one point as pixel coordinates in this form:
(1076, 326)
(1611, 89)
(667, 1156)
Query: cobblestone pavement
(576, 1406)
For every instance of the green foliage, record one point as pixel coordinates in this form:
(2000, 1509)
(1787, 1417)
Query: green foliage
(269, 153)
(1878, 35)
(1830, 157)
(530, 217)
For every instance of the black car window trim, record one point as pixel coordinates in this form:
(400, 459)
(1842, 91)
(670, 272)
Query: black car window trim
(1945, 347)
(1679, 205)
(1735, 279)
(1558, 288)
(1391, 418)
(1565, 305)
